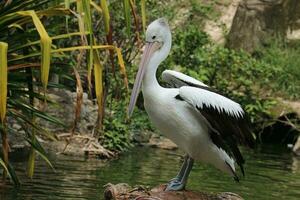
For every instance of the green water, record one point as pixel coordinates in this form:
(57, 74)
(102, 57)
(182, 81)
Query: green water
(270, 174)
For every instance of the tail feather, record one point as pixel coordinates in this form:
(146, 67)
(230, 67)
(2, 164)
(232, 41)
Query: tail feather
(235, 176)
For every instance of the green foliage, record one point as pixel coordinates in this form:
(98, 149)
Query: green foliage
(285, 61)
(35, 32)
(116, 134)
(204, 9)
(118, 130)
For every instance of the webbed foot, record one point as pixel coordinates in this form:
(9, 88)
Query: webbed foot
(175, 185)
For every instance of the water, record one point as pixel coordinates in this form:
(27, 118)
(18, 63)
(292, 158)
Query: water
(270, 174)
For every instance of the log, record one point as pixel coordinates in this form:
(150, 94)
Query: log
(123, 191)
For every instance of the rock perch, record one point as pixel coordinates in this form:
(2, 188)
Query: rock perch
(123, 191)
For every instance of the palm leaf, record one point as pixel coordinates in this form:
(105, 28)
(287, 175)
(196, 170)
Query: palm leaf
(21, 118)
(46, 42)
(143, 11)
(122, 66)
(95, 6)
(31, 163)
(127, 14)
(104, 7)
(98, 82)
(40, 150)
(3, 79)
(10, 171)
(30, 109)
(88, 21)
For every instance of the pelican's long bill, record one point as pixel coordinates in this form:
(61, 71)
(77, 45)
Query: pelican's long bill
(149, 49)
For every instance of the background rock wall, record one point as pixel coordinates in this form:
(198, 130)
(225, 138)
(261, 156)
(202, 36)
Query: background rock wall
(257, 21)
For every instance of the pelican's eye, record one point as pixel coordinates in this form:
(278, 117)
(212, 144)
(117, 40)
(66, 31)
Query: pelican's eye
(153, 37)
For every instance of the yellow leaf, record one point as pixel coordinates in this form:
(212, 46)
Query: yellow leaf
(60, 50)
(68, 35)
(98, 80)
(79, 6)
(109, 47)
(143, 10)
(3, 79)
(54, 12)
(95, 6)
(104, 7)
(122, 66)
(46, 42)
(46, 58)
(31, 162)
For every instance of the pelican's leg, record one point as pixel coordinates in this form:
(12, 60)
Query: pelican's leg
(181, 172)
(180, 184)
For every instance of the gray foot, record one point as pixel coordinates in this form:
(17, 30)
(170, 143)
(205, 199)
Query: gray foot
(175, 185)
(175, 179)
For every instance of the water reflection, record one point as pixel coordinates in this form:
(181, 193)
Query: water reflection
(269, 175)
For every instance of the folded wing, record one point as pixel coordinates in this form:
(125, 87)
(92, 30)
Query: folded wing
(178, 79)
(226, 119)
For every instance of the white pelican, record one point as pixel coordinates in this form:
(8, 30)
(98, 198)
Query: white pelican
(204, 124)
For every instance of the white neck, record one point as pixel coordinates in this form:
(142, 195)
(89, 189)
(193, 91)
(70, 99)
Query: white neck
(149, 81)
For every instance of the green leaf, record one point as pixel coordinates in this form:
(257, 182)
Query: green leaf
(11, 172)
(31, 163)
(127, 15)
(104, 7)
(40, 150)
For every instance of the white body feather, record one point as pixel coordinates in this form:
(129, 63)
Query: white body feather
(185, 126)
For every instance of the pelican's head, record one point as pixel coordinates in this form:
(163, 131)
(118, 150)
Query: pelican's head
(158, 32)
(158, 44)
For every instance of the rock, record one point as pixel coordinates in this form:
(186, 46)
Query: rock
(282, 130)
(16, 137)
(64, 110)
(152, 139)
(142, 136)
(162, 142)
(296, 148)
(78, 145)
(81, 143)
(16, 126)
(125, 192)
(256, 21)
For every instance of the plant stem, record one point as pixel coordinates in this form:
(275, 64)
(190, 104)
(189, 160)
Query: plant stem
(5, 148)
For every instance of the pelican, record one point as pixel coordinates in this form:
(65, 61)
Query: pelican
(204, 124)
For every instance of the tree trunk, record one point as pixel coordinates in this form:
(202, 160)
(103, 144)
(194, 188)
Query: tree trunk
(256, 21)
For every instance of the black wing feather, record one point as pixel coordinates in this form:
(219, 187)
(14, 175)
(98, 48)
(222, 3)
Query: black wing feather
(227, 131)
